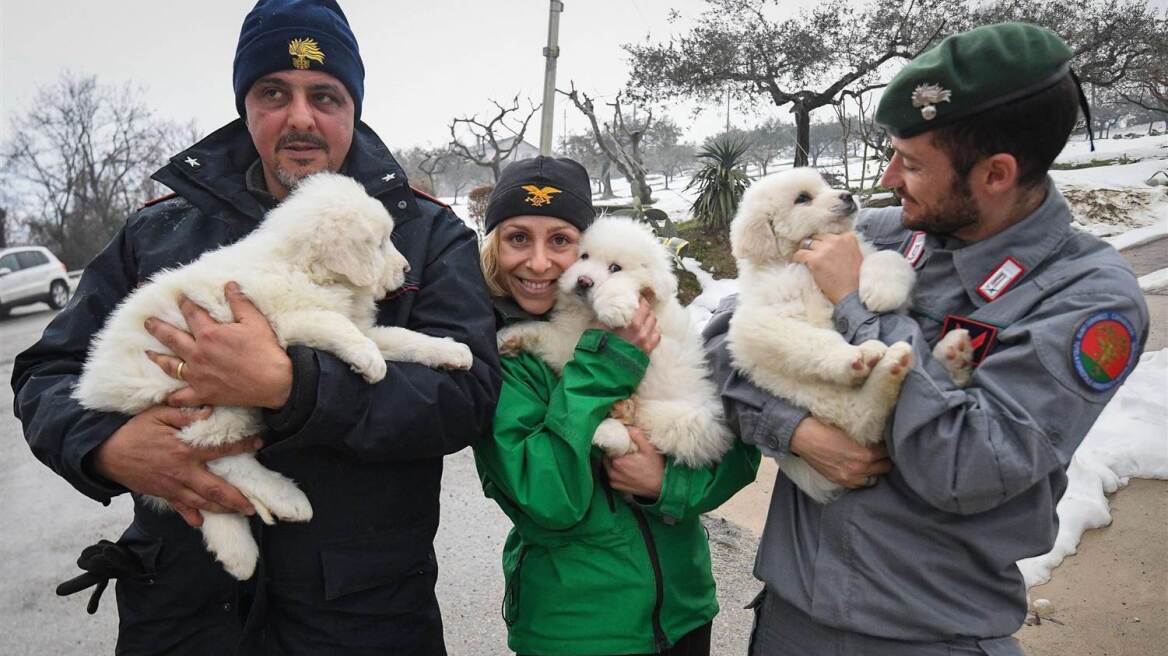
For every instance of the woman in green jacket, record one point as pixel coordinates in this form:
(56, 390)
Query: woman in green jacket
(608, 556)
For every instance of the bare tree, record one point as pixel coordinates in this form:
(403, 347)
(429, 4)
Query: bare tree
(585, 149)
(487, 146)
(620, 140)
(81, 159)
(805, 62)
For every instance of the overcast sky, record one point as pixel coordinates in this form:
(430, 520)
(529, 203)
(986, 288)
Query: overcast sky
(425, 61)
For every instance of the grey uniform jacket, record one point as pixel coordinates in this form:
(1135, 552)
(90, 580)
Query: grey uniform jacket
(929, 552)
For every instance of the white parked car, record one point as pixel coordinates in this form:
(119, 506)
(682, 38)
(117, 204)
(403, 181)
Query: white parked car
(31, 274)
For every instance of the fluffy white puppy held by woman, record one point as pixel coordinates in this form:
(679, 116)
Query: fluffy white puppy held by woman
(315, 267)
(676, 404)
(781, 335)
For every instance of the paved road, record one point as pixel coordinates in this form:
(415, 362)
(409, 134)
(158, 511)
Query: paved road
(46, 524)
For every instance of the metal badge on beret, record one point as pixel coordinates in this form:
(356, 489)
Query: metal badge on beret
(926, 96)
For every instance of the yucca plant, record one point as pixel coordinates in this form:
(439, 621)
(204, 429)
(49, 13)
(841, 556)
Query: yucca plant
(720, 181)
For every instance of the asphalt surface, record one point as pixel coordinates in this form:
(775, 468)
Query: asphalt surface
(46, 523)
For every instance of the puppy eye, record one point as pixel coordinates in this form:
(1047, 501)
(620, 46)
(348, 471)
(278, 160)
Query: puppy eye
(583, 256)
(614, 268)
(803, 198)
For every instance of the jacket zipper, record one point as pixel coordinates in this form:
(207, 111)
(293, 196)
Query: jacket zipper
(510, 604)
(660, 642)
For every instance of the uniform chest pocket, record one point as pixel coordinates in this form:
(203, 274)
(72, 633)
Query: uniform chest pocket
(385, 572)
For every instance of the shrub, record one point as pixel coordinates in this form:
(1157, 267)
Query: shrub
(720, 181)
(476, 203)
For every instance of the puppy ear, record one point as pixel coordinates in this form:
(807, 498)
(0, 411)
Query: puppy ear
(751, 235)
(346, 243)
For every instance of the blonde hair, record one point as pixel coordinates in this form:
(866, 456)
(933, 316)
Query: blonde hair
(489, 261)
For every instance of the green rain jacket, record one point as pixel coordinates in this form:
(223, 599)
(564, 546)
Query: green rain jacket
(587, 571)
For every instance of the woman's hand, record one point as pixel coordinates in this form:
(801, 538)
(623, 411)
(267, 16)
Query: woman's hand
(237, 364)
(640, 473)
(835, 455)
(642, 331)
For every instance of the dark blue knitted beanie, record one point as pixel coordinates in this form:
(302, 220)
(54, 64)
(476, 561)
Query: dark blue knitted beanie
(313, 35)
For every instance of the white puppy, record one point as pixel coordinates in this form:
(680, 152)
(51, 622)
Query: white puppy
(781, 335)
(676, 404)
(315, 267)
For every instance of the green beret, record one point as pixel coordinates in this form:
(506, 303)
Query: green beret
(971, 72)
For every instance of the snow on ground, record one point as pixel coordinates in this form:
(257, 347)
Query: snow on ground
(1130, 439)
(1154, 281)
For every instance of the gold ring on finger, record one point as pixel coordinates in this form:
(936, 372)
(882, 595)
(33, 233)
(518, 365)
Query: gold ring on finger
(179, 373)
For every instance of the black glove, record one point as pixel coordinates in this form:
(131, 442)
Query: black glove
(102, 561)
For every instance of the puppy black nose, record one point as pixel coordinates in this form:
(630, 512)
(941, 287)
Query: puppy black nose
(583, 283)
(406, 267)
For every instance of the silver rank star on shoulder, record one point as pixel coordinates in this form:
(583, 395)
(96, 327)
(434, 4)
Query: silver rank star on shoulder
(192, 162)
(926, 96)
(388, 177)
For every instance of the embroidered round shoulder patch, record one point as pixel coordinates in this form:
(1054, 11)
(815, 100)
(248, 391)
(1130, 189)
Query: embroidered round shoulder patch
(1103, 350)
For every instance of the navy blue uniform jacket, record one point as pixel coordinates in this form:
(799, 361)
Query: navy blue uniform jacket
(360, 576)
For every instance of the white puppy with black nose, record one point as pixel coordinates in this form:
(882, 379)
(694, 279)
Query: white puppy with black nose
(676, 404)
(315, 267)
(781, 335)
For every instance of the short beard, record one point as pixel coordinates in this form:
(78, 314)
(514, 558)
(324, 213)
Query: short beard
(959, 211)
(288, 179)
(292, 180)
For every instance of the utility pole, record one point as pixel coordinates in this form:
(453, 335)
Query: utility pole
(550, 53)
(727, 108)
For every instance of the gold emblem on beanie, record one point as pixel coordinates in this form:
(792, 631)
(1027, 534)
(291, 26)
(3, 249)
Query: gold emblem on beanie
(540, 196)
(927, 96)
(303, 50)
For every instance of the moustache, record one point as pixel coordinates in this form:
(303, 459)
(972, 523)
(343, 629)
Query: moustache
(302, 138)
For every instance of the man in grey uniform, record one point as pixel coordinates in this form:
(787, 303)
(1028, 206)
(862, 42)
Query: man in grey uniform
(922, 559)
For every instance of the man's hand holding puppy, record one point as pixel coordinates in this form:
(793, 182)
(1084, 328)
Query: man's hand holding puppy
(238, 363)
(834, 262)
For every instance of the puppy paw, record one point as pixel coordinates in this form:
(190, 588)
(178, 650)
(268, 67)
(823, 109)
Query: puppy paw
(239, 559)
(613, 438)
(291, 506)
(624, 411)
(445, 353)
(861, 360)
(955, 353)
(511, 346)
(886, 282)
(368, 362)
(616, 310)
(897, 361)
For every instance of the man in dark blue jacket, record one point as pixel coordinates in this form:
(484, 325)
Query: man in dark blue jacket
(359, 578)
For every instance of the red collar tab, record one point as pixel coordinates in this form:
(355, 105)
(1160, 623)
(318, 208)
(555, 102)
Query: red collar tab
(419, 192)
(155, 201)
(1001, 279)
(915, 249)
(982, 336)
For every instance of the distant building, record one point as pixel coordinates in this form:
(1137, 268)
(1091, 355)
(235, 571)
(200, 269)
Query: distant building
(523, 151)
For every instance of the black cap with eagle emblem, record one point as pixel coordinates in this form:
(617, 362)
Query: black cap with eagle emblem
(279, 35)
(542, 186)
